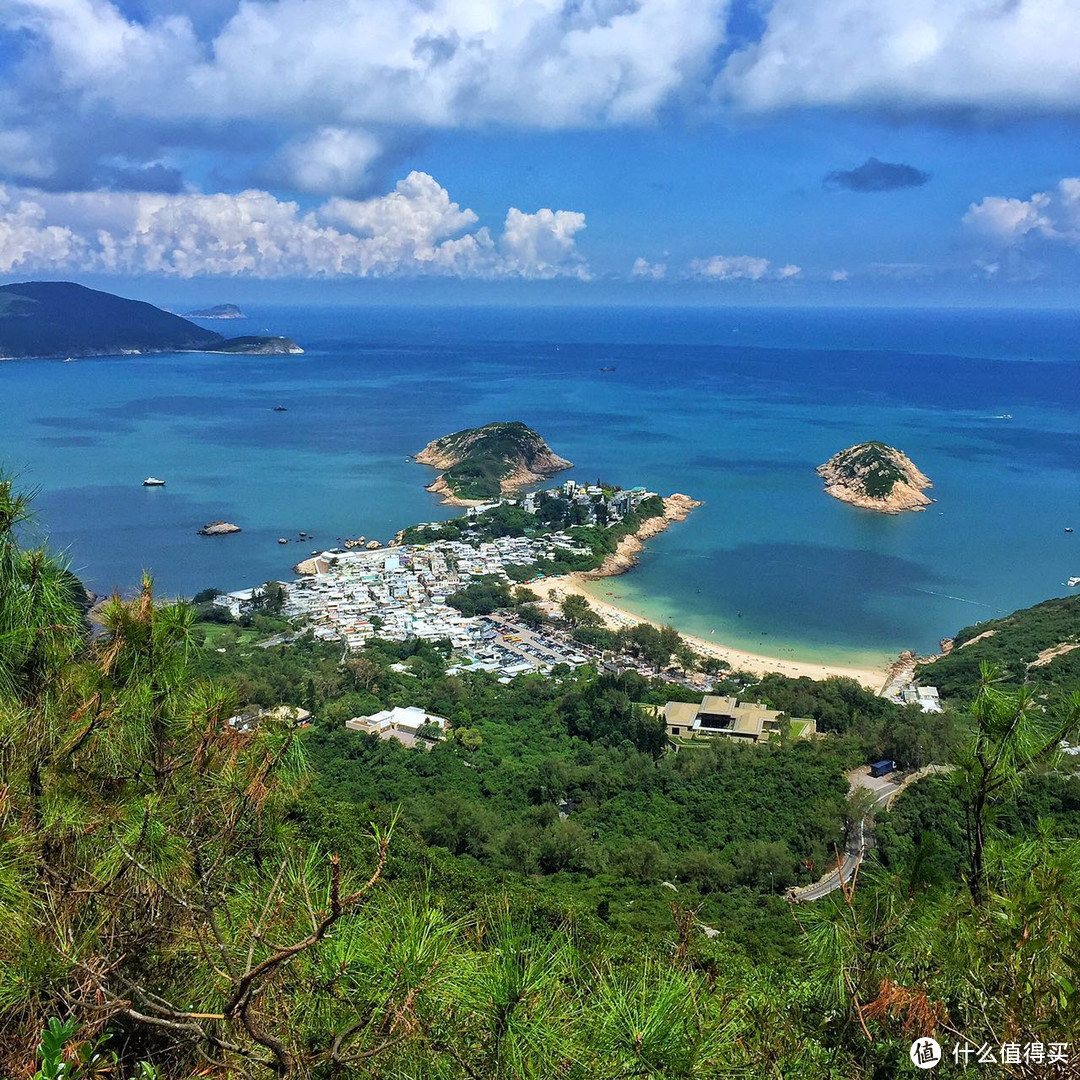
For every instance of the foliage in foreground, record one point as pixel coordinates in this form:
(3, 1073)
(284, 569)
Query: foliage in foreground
(162, 902)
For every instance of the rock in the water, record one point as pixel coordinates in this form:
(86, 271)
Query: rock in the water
(876, 477)
(373, 545)
(219, 528)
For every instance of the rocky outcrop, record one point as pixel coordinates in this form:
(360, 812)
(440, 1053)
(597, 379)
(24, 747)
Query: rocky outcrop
(876, 477)
(676, 508)
(219, 528)
(260, 346)
(485, 462)
(218, 311)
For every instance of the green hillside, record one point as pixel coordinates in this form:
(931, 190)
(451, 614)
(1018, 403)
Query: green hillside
(478, 463)
(1036, 646)
(61, 318)
(549, 892)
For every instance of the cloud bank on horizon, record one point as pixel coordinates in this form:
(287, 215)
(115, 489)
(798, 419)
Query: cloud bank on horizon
(415, 229)
(264, 137)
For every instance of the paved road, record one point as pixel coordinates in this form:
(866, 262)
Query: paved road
(886, 789)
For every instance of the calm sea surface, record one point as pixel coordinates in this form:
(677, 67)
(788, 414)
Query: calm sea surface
(735, 407)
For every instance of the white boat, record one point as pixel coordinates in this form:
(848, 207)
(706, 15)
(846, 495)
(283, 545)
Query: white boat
(153, 481)
(1073, 582)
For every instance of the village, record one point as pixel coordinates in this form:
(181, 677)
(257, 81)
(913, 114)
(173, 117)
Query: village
(401, 591)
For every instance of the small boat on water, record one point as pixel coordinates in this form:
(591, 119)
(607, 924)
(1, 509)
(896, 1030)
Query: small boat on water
(282, 540)
(1073, 582)
(153, 481)
(607, 370)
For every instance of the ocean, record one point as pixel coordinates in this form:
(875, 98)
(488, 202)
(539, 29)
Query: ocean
(735, 407)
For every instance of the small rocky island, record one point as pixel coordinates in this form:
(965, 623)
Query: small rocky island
(877, 477)
(218, 311)
(219, 528)
(490, 461)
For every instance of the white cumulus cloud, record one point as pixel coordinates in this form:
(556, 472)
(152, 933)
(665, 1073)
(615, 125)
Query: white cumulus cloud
(1051, 215)
(729, 268)
(643, 269)
(438, 63)
(414, 230)
(330, 161)
(1012, 55)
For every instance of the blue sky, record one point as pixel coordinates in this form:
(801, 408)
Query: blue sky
(654, 151)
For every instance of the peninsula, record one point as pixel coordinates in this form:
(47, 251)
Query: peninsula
(488, 462)
(876, 477)
(61, 318)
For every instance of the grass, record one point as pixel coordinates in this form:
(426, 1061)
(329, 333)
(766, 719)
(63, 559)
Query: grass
(216, 631)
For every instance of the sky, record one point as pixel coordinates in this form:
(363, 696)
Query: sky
(653, 151)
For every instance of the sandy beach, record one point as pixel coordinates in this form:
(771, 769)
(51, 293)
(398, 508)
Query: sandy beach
(873, 678)
(677, 508)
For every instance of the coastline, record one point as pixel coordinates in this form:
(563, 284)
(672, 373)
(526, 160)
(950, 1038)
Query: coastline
(871, 677)
(677, 508)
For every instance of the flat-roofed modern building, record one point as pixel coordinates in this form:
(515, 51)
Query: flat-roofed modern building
(729, 717)
(399, 723)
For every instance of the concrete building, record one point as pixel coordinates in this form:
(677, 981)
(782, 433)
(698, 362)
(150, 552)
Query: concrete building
(729, 717)
(399, 723)
(926, 697)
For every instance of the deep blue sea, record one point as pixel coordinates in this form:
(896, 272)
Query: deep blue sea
(735, 407)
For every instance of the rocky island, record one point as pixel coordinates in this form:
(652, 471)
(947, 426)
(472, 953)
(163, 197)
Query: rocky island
(876, 477)
(219, 528)
(218, 311)
(488, 462)
(62, 318)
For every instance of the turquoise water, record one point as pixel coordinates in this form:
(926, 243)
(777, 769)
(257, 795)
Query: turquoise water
(733, 407)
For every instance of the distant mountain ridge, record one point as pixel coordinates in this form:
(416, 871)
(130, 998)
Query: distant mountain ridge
(62, 318)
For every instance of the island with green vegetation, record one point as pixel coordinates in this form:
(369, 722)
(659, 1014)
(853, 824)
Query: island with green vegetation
(487, 462)
(205, 872)
(876, 477)
(217, 311)
(62, 318)
(258, 346)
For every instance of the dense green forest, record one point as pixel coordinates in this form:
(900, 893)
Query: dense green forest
(1038, 647)
(549, 892)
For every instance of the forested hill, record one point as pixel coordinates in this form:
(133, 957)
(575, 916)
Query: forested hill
(62, 318)
(1038, 645)
(57, 318)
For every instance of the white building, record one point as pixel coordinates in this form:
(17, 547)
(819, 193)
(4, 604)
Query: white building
(399, 723)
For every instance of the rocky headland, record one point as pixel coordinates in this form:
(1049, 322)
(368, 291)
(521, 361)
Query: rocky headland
(487, 462)
(875, 477)
(676, 508)
(259, 346)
